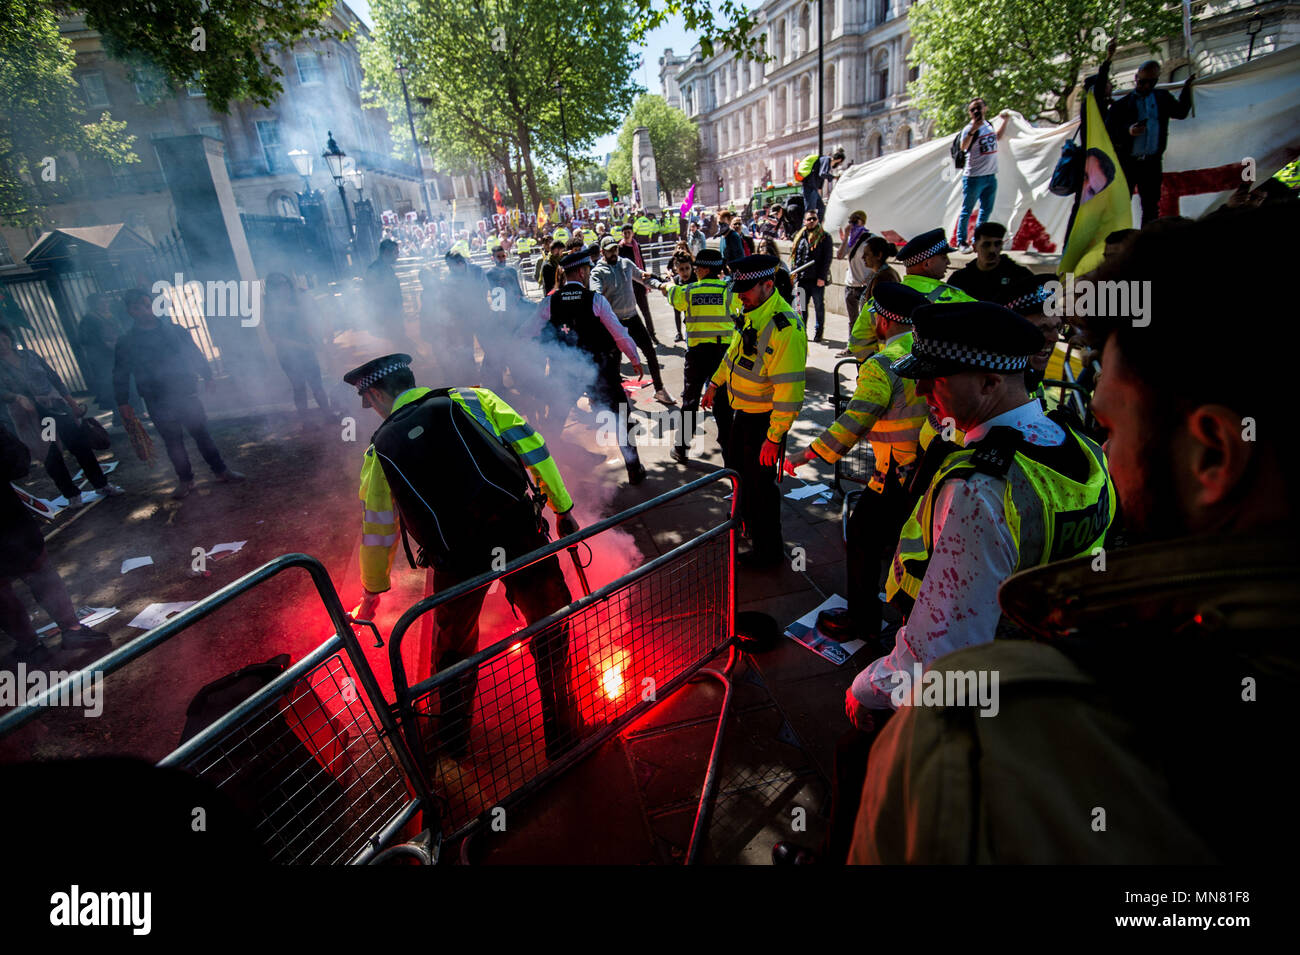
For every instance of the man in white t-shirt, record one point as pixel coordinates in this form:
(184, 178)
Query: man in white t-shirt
(980, 175)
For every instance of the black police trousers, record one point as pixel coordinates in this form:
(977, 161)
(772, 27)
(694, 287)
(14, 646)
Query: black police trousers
(873, 530)
(537, 591)
(702, 361)
(608, 394)
(760, 499)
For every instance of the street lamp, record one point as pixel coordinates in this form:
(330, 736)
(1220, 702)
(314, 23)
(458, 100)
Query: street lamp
(301, 160)
(334, 157)
(564, 131)
(415, 143)
(1252, 30)
(358, 179)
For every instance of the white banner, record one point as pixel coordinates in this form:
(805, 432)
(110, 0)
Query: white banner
(1246, 118)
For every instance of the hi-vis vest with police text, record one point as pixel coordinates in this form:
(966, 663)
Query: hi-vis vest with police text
(765, 364)
(707, 307)
(575, 323)
(1058, 503)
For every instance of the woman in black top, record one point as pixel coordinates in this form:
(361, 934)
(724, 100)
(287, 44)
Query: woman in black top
(683, 274)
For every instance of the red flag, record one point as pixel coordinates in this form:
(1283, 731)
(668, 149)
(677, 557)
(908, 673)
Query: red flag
(500, 203)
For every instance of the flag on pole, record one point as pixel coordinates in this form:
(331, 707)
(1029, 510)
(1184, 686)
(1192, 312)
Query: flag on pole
(1102, 203)
(500, 203)
(541, 216)
(690, 200)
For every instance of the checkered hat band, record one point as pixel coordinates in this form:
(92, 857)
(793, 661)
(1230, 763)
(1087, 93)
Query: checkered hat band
(890, 316)
(750, 276)
(964, 354)
(379, 374)
(1040, 294)
(922, 256)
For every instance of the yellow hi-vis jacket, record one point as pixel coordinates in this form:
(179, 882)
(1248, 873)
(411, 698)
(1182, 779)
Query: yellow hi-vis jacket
(885, 410)
(862, 337)
(379, 523)
(771, 377)
(1051, 516)
(707, 307)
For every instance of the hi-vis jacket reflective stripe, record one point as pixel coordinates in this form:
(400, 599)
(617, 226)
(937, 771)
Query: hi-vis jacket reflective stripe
(862, 338)
(379, 522)
(1050, 516)
(707, 307)
(884, 409)
(772, 377)
(933, 427)
(645, 226)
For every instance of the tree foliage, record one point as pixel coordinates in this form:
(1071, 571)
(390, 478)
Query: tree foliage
(41, 112)
(732, 26)
(673, 137)
(1028, 57)
(485, 74)
(232, 59)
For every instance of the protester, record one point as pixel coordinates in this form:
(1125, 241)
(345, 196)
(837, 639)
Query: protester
(812, 247)
(167, 366)
(979, 183)
(988, 277)
(23, 555)
(729, 243)
(97, 334)
(36, 396)
(817, 172)
(295, 340)
(1138, 124)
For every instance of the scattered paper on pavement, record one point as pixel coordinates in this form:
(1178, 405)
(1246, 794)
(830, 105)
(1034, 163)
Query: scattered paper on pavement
(86, 616)
(131, 563)
(155, 615)
(804, 631)
(222, 550)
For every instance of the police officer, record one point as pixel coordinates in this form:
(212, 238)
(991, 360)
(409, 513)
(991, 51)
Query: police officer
(886, 410)
(1026, 489)
(396, 484)
(1029, 298)
(763, 370)
(580, 318)
(710, 308)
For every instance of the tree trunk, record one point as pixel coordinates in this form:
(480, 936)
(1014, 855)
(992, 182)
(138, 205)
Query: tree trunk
(525, 152)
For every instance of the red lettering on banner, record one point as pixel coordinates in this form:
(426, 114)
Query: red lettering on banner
(1196, 182)
(1031, 233)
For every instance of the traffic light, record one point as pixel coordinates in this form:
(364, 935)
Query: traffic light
(613, 192)
(719, 185)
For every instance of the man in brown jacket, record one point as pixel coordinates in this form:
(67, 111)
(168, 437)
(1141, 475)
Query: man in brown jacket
(1147, 720)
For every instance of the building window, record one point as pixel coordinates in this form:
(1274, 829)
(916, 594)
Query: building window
(92, 87)
(882, 11)
(309, 71)
(805, 97)
(829, 102)
(828, 24)
(779, 42)
(150, 85)
(801, 33)
(268, 134)
(880, 79)
(875, 146)
(194, 89)
(349, 70)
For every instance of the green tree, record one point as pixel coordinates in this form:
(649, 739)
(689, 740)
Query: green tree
(673, 137)
(232, 56)
(41, 114)
(1028, 57)
(486, 74)
(730, 27)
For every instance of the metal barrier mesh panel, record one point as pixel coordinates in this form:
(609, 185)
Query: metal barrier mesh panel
(859, 464)
(483, 746)
(311, 770)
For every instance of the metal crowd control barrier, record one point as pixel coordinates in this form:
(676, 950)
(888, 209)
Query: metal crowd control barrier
(303, 755)
(606, 658)
(859, 464)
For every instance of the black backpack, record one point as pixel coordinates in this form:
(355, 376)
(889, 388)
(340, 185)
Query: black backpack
(957, 153)
(452, 482)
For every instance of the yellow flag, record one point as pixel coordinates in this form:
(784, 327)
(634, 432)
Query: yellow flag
(541, 216)
(1102, 204)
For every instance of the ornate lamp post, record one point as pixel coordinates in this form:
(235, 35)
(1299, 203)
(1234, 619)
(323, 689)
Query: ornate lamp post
(334, 157)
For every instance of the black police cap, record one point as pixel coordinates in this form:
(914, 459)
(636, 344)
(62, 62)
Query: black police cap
(364, 376)
(575, 258)
(952, 337)
(752, 269)
(923, 246)
(896, 301)
(709, 258)
(1030, 296)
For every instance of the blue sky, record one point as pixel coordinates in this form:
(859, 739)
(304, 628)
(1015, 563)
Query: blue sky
(671, 35)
